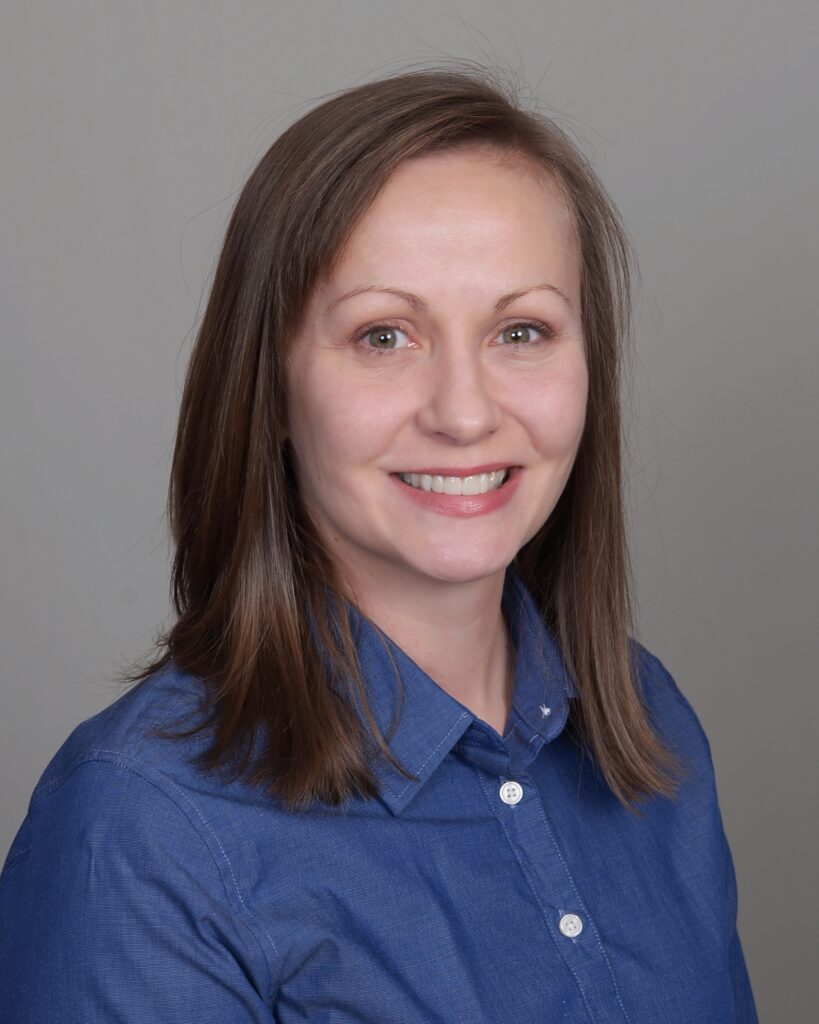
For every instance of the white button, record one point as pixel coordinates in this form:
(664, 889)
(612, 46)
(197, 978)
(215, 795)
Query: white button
(511, 792)
(571, 925)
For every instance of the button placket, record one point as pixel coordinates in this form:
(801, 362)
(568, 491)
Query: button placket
(530, 835)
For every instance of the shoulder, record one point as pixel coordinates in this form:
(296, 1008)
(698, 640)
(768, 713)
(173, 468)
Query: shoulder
(113, 774)
(696, 804)
(671, 713)
(124, 833)
(124, 732)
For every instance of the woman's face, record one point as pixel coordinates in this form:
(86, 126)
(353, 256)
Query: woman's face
(464, 259)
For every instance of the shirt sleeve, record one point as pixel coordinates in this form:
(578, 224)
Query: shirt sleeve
(114, 908)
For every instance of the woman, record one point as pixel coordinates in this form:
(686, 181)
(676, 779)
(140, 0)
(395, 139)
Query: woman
(399, 759)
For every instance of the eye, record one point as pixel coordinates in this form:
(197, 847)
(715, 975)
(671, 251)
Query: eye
(380, 339)
(520, 333)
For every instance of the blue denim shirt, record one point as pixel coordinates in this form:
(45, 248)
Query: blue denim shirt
(506, 885)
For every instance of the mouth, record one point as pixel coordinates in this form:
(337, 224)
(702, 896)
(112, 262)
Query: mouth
(477, 483)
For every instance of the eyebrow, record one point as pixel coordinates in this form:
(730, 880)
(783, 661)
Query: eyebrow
(418, 303)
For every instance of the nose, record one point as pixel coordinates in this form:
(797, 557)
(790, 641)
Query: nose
(460, 399)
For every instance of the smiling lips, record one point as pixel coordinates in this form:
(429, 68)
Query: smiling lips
(476, 483)
(453, 495)
(451, 480)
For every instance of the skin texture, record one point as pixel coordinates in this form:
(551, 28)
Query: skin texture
(459, 230)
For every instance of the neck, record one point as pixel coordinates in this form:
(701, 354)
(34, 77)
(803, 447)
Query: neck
(455, 632)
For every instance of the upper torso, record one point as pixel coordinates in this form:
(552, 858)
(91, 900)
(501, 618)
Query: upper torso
(506, 885)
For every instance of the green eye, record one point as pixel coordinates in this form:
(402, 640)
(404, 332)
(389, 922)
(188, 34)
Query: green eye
(521, 334)
(381, 337)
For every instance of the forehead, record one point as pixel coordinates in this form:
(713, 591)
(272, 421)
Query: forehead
(477, 212)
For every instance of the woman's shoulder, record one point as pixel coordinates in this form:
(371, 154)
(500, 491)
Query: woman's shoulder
(124, 733)
(115, 778)
(125, 842)
(670, 711)
(121, 796)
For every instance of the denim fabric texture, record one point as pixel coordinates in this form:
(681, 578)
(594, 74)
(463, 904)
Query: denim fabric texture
(506, 885)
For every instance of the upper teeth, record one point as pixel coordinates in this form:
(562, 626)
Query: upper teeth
(478, 484)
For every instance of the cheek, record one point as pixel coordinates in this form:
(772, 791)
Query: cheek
(555, 409)
(337, 422)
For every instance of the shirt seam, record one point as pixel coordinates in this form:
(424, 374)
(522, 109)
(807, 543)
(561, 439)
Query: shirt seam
(13, 860)
(138, 768)
(46, 786)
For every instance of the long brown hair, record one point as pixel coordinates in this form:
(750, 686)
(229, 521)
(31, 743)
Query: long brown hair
(249, 573)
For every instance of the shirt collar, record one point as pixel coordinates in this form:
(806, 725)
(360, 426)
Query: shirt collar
(431, 721)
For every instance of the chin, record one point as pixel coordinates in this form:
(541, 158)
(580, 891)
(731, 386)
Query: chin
(464, 568)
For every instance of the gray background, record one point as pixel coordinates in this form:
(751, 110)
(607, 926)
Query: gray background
(128, 129)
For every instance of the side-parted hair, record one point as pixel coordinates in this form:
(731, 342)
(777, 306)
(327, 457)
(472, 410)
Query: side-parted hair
(250, 574)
